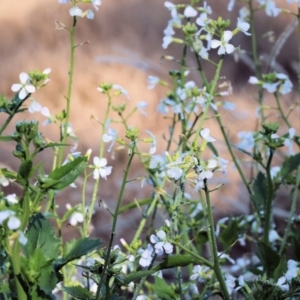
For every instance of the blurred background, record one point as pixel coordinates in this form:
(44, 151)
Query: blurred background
(125, 47)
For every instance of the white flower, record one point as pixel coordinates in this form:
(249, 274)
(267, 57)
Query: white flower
(22, 238)
(96, 3)
(3, 180)
(153, 81)
(205, 135)
(200, 273)
(156, 161)
(90, 14)
(224, 45)
(110, 136)
(253, 80)
(230, 283)
(286, 85)
(100, 168)
(190, 12)
(243, 26)
(229, 105)
(153, 143)
(247, 140)
(293, 270)
(37, 107)
(24, 86)
(281, 283)
(75, 218)
(13, 222)
(12, 199)
(288, 142)
(270, 7)
(230, 5)
(274, 171)
(63, 1)
(167, 40)
(175, 173)
(226, 256)
(141, 105)
(161, 243)
(146, 256)
(75, 11)
(121, 90)
(273, 235)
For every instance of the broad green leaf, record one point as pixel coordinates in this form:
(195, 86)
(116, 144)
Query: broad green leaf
(269, 258)
(280, 269)
(65, 175)
(78, 292)
(229, 234)
(163, 289)
(41, 236)
(25, 169)
(260, 191)
(48, 280)
(290, 164)
(76, 249)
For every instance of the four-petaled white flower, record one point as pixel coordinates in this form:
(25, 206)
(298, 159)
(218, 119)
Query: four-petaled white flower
(101, 168)
(161, 243)
(24, 87)
(175, 172)
(224, 45)
(270, 7)
(281, 283)
(205, 135)
(110, 136)
(167, 40)
(201, 273)
(146, 256)
(37, 107)
(293, 270)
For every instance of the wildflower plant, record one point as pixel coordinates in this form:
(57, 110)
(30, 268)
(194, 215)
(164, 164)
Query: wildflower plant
(37, 263)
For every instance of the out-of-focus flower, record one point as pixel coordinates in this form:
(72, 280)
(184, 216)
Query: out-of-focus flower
(110, 136)
(190, 12)
(140, 106)
(205, 135)
(12, 199)
(13, 222)
(201, 273)
(146, 256)
(243, 26)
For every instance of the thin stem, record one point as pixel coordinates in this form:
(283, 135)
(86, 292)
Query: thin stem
(114, 224)
(281, 111)
(69, 94)
(233, 157)
(292, 212)
(217, 267)
(256, 59)
(268, 208)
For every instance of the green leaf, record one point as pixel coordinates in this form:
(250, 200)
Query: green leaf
(269, 258)
(76, 249)
(48, 280)
(163, 289)
(280, 269)
(25, 169)
(65, 175)
(229, 234)
(290, 164)
(260, 191)
(41, 236)
(78, 292)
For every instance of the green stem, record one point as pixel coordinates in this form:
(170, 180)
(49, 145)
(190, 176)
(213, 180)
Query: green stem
(114, 224)
(69, 94)
(268, 208)
(217, 267)
(210, 98)
(256, 59)
(281, 111)
(233, 157)
(292, 212)
(298, 17)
